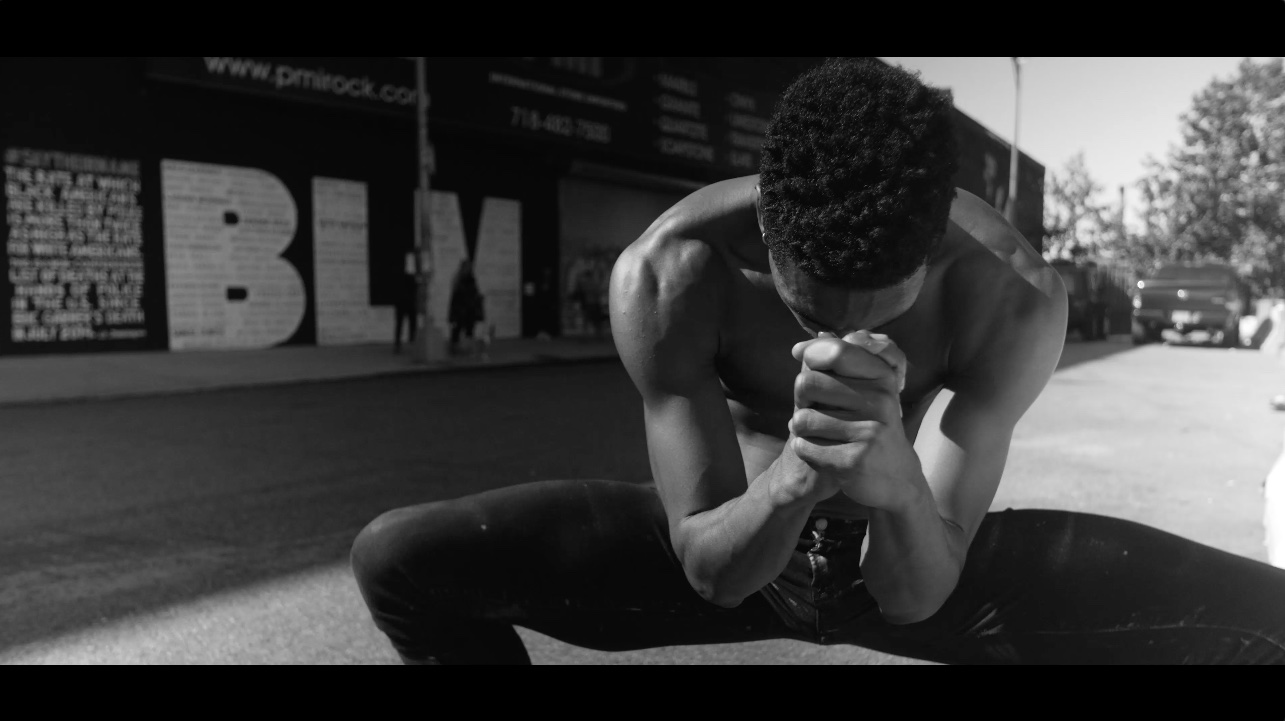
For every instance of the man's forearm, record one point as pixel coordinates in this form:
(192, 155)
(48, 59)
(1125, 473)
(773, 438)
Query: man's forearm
(732, 551)
(912, 560)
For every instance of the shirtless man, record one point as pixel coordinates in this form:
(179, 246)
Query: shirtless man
(788, 333)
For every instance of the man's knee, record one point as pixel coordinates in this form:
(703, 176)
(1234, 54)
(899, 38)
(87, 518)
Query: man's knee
(372, 551)
(396, 543)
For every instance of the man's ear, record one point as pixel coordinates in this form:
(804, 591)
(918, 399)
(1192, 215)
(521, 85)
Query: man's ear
(758, 211)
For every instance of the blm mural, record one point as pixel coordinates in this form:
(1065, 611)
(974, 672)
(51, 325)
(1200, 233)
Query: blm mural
(226, 284)
(341, 265)
(233, 276)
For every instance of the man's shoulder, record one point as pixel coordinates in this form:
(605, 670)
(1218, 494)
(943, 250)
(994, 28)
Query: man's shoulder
(992, 287)
(667, 267)
(667, 297)
(687, 246)
(1005, 298)
(990, 262)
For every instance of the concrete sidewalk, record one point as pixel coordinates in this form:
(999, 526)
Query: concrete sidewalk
(92, 376)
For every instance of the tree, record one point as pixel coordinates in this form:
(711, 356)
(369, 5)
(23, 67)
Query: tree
(1157, 242)
(1219, 195)
(1075, 220)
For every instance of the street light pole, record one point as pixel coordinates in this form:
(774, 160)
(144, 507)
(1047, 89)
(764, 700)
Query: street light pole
(428, 344)
(1012, 154)
(1124, 233)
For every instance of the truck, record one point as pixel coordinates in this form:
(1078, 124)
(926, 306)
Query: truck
(1088, 295)
(1194, 301)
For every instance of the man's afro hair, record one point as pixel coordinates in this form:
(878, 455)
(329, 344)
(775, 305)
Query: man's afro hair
(857, 173)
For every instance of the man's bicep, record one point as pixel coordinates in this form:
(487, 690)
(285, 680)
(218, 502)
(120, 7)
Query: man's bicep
(965, 453)
(695, 457)
(963, 459)
(666, 332)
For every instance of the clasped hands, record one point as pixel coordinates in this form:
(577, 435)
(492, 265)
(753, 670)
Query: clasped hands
(846, 428)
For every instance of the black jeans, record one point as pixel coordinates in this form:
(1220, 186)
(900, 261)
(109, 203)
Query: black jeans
(408, 316)
(590, 563)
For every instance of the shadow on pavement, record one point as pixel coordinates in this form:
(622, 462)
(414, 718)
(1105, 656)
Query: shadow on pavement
(1077, 351)
(122, 507)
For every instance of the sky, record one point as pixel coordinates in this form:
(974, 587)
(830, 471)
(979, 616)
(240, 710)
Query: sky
(1116, 110)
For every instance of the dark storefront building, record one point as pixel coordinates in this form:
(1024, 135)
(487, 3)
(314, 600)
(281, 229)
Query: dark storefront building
(202, 203)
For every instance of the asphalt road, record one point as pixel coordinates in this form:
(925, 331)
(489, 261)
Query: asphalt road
(215, 528)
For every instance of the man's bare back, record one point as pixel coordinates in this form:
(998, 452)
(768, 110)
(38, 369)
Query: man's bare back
(979, 276)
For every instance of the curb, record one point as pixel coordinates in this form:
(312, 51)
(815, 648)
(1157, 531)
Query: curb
(443, 368)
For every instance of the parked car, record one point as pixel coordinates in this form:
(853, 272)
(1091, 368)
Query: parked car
(1087, 309)
(1189, 298)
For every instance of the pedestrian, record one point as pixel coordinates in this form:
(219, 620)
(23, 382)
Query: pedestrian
(1274, 512)
(545, 300)
(406, 309)
(467, 308)
(788, 332)
(1274, 344)
(590, 294)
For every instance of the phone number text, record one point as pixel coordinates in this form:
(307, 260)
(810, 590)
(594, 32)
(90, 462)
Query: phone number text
(563, 125)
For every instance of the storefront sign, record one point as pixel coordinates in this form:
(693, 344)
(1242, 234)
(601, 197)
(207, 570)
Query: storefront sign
(371, 83)
(643, 107)
(672, 109)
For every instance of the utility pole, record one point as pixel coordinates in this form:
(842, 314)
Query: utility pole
(1012, 154)
(429, 341)
(1123, 231)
